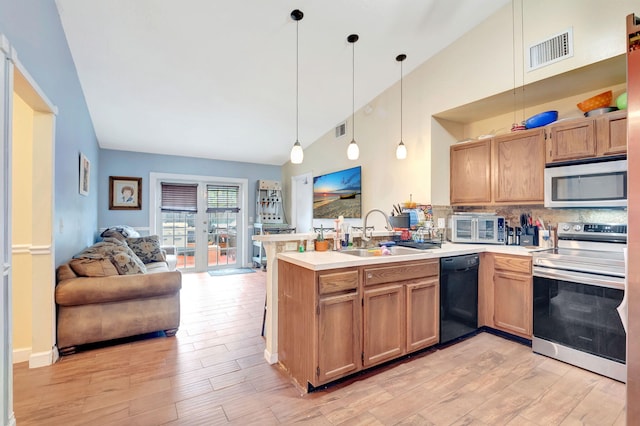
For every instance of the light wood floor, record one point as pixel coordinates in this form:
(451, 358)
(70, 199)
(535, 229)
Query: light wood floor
(213, 372)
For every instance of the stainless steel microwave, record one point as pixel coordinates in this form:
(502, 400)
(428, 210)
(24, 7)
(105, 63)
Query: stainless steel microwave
(602, 184)
(476, 228)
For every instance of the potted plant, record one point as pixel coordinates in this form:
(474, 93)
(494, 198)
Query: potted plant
(321, 244)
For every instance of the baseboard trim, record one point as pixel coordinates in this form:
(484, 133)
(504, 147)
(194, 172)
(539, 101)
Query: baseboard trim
(271, 358)
(41, 359)
(21, 355)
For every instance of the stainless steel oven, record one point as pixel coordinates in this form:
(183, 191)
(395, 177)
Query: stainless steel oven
(478, 228)
(577, 289)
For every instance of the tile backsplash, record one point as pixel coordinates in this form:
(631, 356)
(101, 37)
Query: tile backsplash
(549, 216)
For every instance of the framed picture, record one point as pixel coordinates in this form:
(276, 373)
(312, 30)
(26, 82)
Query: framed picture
(85, 174)
(125, 193)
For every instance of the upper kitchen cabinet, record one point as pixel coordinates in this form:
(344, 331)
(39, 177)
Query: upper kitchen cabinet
(507, 169)
(586, 138)
(518, 167)
(611, 133)
(471, 173)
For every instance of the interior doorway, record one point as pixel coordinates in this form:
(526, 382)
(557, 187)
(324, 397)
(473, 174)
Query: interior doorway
(302, 202)
(33, 280)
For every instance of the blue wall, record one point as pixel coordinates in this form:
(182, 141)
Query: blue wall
(135, 164)
(33, 28)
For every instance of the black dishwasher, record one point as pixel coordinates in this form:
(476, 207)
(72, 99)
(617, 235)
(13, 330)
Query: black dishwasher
(458, 296)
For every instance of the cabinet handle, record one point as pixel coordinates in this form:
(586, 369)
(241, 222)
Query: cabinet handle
(369, 275)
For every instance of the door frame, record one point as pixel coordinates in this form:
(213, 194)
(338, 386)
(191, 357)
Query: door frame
(155, 179)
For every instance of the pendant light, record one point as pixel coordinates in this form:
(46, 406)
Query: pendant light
(353, 152)
(297, 154)
(401, 150)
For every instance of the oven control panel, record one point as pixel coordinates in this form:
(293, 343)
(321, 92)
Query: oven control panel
(592, 231)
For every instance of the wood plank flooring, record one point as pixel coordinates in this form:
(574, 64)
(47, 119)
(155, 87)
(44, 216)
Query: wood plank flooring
(213, 372)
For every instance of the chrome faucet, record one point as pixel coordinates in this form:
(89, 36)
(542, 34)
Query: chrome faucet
(366, 217)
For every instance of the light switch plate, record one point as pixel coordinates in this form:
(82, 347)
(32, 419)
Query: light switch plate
(291, 246)
(441, 223)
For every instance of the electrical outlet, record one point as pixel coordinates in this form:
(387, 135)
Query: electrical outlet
(441, 223)
(291, 246)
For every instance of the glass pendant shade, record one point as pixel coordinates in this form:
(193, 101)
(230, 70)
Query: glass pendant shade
(297, 155)
(401, 151)
(353, 152)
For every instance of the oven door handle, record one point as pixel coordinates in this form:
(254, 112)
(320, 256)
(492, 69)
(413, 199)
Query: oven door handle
(579, 277)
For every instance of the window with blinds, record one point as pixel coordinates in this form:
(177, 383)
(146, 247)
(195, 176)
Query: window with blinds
(178, 197)
(222, 198)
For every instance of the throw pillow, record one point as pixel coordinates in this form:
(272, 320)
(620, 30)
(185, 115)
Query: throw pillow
(120, 232)
(147, 248)
(127, 264)
(93, 267)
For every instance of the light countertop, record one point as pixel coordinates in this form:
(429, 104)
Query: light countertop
(319, 261)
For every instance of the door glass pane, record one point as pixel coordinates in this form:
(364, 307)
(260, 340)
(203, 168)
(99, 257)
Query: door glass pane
(178, 229)
(588, 187)
(223, 242)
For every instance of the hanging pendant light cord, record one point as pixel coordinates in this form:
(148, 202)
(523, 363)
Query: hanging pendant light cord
(297, 78)
(401, 74)
(353, 90)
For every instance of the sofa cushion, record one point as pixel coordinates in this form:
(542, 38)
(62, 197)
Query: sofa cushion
(89, 290)
(147, 248)
(93, 267)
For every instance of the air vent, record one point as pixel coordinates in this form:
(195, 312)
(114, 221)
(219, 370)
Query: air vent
(341, 129)
(552, 50)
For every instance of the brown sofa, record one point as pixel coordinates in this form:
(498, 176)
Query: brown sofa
(99, 308)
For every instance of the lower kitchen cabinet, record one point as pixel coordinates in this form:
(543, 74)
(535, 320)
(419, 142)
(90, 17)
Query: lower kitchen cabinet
(338, 336)
(400, 310)
(337, 322)
(506, 294)
(423, 317)
(383, 324)
(319, 323)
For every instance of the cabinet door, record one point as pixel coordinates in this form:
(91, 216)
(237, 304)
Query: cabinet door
(383, 314)
(338, 336)
(518, 167)
(612, 133)
(423, 302)
(513, 303)
(470, 169)
(572, 140)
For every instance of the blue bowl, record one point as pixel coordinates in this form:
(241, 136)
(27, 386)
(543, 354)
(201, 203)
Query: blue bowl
(541, 119)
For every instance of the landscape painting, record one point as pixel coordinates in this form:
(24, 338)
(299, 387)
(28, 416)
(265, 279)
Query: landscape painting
(338, 194)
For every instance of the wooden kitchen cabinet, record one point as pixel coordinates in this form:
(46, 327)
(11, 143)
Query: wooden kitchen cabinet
(587, 138)
(470, 173)
(507, 169)
(383, 324)
(505, 293)
(611, 132)
(319, 323)
(518, 167)
(400, 310)
(422, 313)
(334, 323)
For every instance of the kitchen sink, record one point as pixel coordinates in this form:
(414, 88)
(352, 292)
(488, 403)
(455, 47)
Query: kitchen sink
(395, 251)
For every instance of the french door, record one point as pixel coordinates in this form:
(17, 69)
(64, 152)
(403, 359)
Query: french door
(203, 220)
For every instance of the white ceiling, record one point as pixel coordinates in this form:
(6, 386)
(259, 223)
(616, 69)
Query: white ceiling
(216, 79)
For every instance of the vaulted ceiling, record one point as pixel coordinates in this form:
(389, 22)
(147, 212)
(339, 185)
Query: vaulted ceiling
(217, 79)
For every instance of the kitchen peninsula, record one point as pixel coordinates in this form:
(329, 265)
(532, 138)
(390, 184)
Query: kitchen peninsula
(339, 313)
